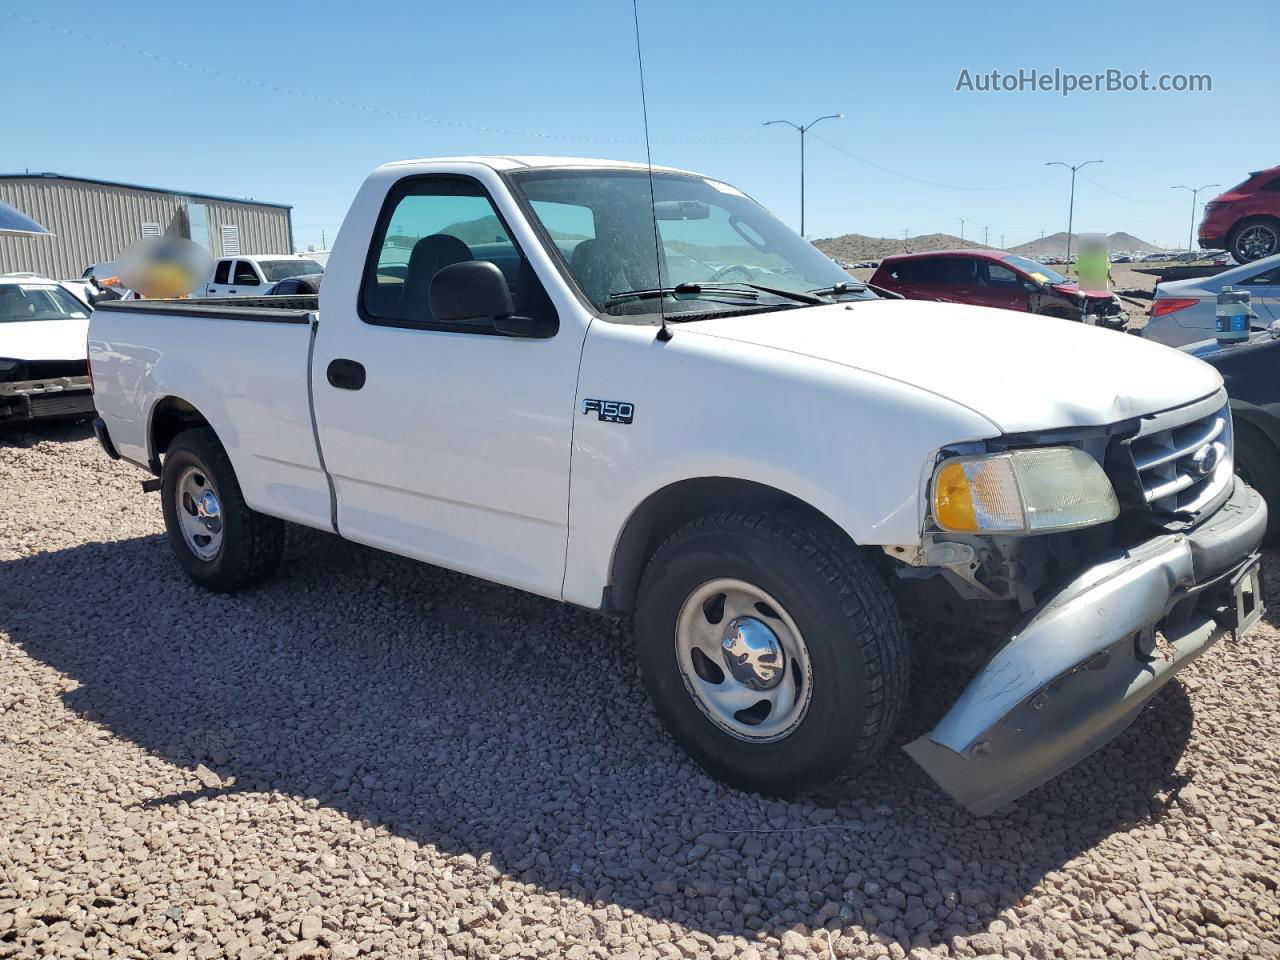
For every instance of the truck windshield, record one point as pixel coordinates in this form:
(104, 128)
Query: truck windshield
(28, 301)
(711, 234)
(275, 270)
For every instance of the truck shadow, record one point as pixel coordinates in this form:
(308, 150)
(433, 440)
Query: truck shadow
(64, 430)
(489, 722)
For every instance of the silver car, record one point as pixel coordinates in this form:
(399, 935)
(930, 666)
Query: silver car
(1184, 311)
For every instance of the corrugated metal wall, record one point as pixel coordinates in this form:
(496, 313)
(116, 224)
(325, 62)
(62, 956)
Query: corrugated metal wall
(94, 222)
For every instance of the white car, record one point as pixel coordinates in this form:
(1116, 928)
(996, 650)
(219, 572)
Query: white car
(250, 276)
(1186, 311)
(763, 463)
(43, 368)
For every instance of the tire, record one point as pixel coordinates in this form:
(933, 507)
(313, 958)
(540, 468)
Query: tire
(1258, 464)
(1254, 238)
(849, 685)
(244, 547)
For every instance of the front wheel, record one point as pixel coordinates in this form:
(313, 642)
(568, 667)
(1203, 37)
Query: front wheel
(771, 649)
(220, 542)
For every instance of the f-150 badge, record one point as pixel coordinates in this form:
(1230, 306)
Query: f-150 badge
(610, 411)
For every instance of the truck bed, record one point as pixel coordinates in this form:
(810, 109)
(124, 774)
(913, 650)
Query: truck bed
(266, 309)
(250, 381)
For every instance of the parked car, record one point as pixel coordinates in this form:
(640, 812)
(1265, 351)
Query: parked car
(43, 368)
(1185, 311)
(1251, 372)
(306, 285)
(1245, 221)
(993, 278)
(767, 462)
(247, 276)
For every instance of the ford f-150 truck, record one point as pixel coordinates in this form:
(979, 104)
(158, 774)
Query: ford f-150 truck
(640, 393)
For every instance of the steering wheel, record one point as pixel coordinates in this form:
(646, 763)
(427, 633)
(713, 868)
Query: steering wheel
(723, 272)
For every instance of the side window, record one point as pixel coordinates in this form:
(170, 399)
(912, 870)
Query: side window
(222, 272)
(429, 223)
(1267, 278)
(245, 275)
(927, 271)
(960, 271)
(1002, 278)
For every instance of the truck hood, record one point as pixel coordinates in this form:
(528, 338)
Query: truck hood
(45, 339)
(1023, 372)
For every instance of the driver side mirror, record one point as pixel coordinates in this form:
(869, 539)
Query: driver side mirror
(476, 290)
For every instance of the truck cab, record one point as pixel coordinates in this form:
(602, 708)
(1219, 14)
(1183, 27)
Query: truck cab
(252, 276)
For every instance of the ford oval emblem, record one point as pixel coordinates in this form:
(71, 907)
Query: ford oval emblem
(1206, 459)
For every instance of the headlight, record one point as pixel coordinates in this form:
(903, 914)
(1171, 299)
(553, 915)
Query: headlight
(1023, 491)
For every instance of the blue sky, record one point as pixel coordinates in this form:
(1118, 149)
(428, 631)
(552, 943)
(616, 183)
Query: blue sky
(296, 102)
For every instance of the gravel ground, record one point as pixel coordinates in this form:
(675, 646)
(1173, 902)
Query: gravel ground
(373, 757)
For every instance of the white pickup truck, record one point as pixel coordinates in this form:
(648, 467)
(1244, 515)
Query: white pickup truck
(668, 405)
(246, 276)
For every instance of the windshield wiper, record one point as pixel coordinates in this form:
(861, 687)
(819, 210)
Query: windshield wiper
(837, 289)
(796, 295)
(685, 290)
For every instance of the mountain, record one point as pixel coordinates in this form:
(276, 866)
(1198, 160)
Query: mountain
(1055, 245)
(857, 246)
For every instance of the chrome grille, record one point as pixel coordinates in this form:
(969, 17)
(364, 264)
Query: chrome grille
(1184, 457)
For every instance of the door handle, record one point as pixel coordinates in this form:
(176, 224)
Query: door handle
(345, 374)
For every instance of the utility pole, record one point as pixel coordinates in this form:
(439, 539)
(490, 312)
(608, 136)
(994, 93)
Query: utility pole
(1192, 232)
(803, 128)
(984, 236)
(323, 245)
(1002, 241)
(1071, 204)
(962, 222)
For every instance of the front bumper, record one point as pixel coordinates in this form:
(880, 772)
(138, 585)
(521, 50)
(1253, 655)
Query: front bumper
(1086, 662)
(52, 397)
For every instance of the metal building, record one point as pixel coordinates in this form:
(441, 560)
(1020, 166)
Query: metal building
(94, 220)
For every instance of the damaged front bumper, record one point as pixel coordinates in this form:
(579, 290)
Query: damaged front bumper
(1087, 661)
(51, 397)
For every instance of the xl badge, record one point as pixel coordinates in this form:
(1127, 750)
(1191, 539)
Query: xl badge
(610, 411)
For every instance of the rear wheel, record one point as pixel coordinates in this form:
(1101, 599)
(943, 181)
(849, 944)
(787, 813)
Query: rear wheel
(220, 542)
(1254, 238)
(772, 650)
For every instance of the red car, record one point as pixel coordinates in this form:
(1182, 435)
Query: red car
(1246, 219)
(993, 278)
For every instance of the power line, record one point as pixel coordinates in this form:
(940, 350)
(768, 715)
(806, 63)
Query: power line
(337, 102)
(1084, 176)
(907, 176)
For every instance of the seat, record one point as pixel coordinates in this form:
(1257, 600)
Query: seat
(430, 255)
(603, 267)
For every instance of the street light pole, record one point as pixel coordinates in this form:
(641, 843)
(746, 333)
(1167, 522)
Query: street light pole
(803, 128)
(1194, 193)
(1071, 204)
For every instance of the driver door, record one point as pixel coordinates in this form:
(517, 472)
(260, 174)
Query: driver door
(445, 441)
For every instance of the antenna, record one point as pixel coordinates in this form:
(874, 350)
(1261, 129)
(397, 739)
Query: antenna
(663, 333)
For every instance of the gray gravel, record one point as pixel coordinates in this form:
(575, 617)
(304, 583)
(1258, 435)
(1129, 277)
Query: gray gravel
(373, 757)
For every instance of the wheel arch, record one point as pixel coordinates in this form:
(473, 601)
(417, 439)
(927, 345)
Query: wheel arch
(669, 508)
(170, 415)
